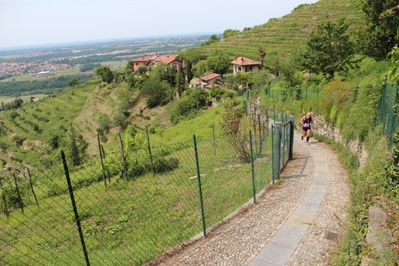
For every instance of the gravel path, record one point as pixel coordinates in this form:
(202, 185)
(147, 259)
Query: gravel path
(240, 240)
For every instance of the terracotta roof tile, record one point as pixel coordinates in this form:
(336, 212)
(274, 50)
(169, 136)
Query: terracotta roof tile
(210, 76)
(243, 61)
(167, 59)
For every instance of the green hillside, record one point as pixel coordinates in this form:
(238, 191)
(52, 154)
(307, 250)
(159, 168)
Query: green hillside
(164, 178)
(282, 36)
(82, 105)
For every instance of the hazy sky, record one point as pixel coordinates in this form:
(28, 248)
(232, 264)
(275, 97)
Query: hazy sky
(36, 22)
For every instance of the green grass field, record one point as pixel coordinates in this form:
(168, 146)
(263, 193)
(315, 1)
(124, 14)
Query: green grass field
(128, 223)
(25, 98)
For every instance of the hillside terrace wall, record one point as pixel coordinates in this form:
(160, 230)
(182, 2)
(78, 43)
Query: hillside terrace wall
(322, 128)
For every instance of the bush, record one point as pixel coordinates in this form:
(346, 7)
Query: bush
(18, 140)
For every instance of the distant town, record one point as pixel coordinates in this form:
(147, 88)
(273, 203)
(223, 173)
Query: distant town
(49, 61)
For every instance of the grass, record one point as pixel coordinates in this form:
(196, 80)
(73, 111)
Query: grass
(25, 98)
(115, 65)
(129, 223)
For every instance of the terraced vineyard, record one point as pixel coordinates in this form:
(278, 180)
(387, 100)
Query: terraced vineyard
(282, 36)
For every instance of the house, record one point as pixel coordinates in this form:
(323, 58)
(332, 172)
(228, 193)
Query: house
(145, 60)
(171, 60)
(211, 79)
(243, 64)
(195, 83)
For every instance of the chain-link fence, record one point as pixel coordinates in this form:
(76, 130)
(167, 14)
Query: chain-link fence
(127, 208)
(387, 109)
(294, 94)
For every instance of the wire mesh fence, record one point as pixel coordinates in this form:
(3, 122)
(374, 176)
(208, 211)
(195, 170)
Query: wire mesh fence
(388, 117)
(294, 94)
(128, 207)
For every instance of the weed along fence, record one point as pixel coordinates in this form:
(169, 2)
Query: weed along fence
(388, 117)
(129, 207)
(294, 94)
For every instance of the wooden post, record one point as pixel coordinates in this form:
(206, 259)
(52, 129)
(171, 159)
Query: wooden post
(31, 187)
(19, 194)
(101, 159)
(123, 157)
(214, 138)
(106, 170)
(149, 149)
(4, 200)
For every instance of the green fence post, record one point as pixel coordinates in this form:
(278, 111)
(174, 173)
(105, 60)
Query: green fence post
(276, 150)
(252, 166)
(199, 185)
(292, 127)
(75, 209)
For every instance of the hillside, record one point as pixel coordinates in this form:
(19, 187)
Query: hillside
(83, 105)
(282, 36)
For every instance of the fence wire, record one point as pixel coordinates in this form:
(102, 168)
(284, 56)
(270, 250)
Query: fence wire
(130, 206)
(388, 117)
(294, 94)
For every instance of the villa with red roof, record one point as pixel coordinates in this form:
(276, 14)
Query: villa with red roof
(171, 60)
(243, 64)
(145, 60)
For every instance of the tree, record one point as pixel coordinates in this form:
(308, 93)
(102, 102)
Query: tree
(291, 74)
(157, 91)
(142, 70)
(194, 55)
(129, 66)
(231, 127)
(131, 80)
(105, 73)
(180, 80)
(211, 40)
(219, 62)
(382, 24)
(329, 50)
(393, 75)
(76, 147)
(73, 82)
(201, 68)
(262, 54)
(189, 70)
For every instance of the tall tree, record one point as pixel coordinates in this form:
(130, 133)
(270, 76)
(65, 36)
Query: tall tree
(329, 50)
(262, 54)
(157, 91)
(382, 24)
(189, 70)
(105, 73)
(73, 82)
(76, 147)
(219, 62)
(180, 80)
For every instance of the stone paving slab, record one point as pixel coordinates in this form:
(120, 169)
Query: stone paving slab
(281, 247)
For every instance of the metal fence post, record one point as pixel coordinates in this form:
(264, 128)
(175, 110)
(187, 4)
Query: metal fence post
(272, 128)
(292, 127)
(75, 209)
(199, 185)
(252, 166)
(276, 150)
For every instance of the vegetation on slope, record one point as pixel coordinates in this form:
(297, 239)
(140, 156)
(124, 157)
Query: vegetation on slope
(348, 102)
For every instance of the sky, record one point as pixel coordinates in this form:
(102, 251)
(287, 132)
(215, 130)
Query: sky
(27, 23)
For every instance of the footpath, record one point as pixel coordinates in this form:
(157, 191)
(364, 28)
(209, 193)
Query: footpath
(295, 223)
